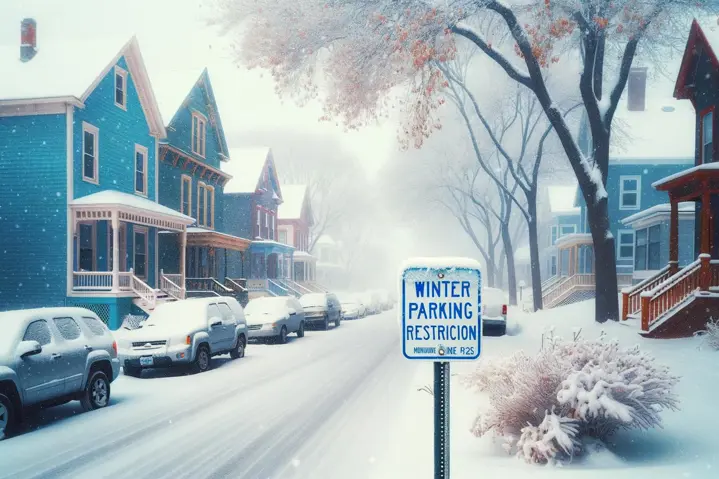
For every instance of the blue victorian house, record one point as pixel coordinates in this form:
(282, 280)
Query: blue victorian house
(192, 182)
(78, 165)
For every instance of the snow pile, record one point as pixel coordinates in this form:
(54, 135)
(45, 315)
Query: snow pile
(710, 336)
(547, 405)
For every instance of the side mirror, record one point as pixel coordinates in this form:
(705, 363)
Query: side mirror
(215, 322)
(28, 348)
(292, 312)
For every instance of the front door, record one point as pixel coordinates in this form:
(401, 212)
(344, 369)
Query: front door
(42, 375)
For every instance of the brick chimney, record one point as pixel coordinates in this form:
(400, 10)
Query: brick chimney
(637, 89)
(28, 39)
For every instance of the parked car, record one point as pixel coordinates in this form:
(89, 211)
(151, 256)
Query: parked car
(51, 356)
(275, 318)
(322, 309)
(350, 306)
(372, 303)
(494, 311)
(185, 332)
(361, 303)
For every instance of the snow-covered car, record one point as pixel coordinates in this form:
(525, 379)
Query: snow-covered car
(322, 309)
(494, 311)
(373, 306)
(185, 332)
(275, 318)
(351, 307)
(361, 303)
(51, 356)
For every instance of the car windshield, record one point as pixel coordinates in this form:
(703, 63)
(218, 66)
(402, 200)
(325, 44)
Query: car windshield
(180, 314)
(313, 300)
(266, 306)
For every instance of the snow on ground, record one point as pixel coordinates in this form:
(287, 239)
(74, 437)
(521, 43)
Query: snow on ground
(687, 447)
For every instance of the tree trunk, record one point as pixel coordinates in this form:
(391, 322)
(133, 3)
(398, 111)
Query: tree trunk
(605, 266)
(534, 255)
(509, 255)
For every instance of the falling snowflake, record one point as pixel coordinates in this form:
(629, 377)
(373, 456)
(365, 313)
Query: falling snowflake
(296, 462)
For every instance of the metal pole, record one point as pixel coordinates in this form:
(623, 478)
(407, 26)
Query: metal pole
(441, 420)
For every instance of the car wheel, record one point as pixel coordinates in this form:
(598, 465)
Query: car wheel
(338, 321)
(503, 330)
(202, 360)
(239, 351)
(301, 331)
(132, 372)
(8, 417)
(282, 337)
(326, 323)
(97, 392)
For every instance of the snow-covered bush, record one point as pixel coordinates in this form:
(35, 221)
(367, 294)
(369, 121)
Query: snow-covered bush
(132, 321)
(543, 405)
(710, 336)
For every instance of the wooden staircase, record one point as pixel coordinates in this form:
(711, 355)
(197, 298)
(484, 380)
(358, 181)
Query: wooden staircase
(567, 290)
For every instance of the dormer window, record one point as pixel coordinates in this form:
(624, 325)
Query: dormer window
(199, 134)
(120, 88)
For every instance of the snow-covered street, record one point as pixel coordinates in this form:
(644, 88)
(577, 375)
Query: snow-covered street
(311, 408)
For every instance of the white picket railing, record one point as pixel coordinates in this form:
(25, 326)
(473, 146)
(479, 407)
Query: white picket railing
(170, 283)
(125, 279)
(92, 280)
(144, 291)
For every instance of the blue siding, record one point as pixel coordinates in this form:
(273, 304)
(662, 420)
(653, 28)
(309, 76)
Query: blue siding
(120, 131)
(237, 215)
(110, 310)
(33, 211)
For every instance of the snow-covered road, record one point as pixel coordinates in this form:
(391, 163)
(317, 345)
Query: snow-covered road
(317, 407)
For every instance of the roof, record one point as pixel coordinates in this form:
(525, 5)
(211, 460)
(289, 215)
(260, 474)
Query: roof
(118, 198)
(74, 76)
(687, 172)
(294, 200)
(303, 254)
(660, 211)
(245, 166)
(706, 31)
(561, 199)
(325, 239)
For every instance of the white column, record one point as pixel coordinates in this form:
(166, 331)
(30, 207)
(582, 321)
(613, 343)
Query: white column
(115, 219)
(183, 255)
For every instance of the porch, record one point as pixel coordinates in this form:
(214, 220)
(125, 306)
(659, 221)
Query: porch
(114, 248)
(271, 269)
(676, 302)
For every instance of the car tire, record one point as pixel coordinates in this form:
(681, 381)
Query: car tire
(9, 417)
(503, 330)
(338, 321)
(301, 330)
(132, 372)
(202, 360)
(239, 350)
(326, 323)
(282, 337)
(96, 394)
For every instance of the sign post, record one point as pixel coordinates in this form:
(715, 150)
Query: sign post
(441, 322)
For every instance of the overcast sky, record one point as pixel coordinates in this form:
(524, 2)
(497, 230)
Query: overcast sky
(177, 45)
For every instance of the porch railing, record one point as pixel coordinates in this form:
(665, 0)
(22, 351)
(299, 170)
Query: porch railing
(239, 286)
(100, 281)
(275, 288)
(676, 289)
(289, 286)
(548, 283)
(565, 288)
(300, 287)
(144, 291)
(631, 297)
(207, 284)
(125, 279)
(170, 284)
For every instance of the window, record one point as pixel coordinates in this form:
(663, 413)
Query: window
(283, 236)
(96, 327)
(201, 203)
(38, 331)
(567, 230)
(553, 237)
(120, 88)
(199, 134)
(141, 170)
(90, 150)
(629, 191)
(86, 246)
(210, 205)
(640, 253)
(553, 266)
(213, 313)
(186, 195)
(272, 227)
(266, 224)
(647, 254)
(626, 244)
(140, 248)
(707, 137)
(257, 222)
(68, 328)
(227, 315)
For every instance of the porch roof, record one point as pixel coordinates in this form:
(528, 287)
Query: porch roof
(270, 246)
(659, 213)
(204, 237)
(131, 208)
(690, 183)
(304, 256)
(573, 239)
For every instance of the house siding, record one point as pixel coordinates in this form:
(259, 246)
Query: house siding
(33, 211)
(237, 215)
(119, 131)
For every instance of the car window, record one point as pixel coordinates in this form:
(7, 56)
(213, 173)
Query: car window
(213, 312)
(227, 315)
(38, 331)
(96, 327)
(68, 328)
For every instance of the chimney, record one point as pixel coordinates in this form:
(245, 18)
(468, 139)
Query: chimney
(637, 89)
(28, 39)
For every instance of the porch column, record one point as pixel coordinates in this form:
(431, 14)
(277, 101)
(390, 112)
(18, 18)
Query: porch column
(559, 262)
(183, 254)
(705, 223)
(674, 237)
(115, 220)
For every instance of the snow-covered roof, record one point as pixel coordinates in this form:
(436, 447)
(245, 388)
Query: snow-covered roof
(688, 171)
(325, 240)
(303, 255)
(245, 166)
(659, 212)
(118, 198)
(294, 199)
(561, 199)
(172, 88)
(521, 255)
(439, 262)
(710, 29)
(574, 238)
(198, 230)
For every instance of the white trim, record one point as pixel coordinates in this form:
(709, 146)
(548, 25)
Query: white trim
(95, 131)
(157, 170)
(122, 73)
(561, 226)
(57, 100)
(157, 260)
(69, 164)
(553, 232)
(182, 195)
(33, 109)
(140, 149)
(619, 245)
(638, 191)
(201, 150)
(145, 231)
(210, 206)
(201, 190)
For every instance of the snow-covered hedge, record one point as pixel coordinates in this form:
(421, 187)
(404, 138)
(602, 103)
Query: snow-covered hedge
(710, 336)
(544, 405)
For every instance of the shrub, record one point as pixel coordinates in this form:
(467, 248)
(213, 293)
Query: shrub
(710, 336)
(545, 405)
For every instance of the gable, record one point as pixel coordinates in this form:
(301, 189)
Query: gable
(251, 169)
